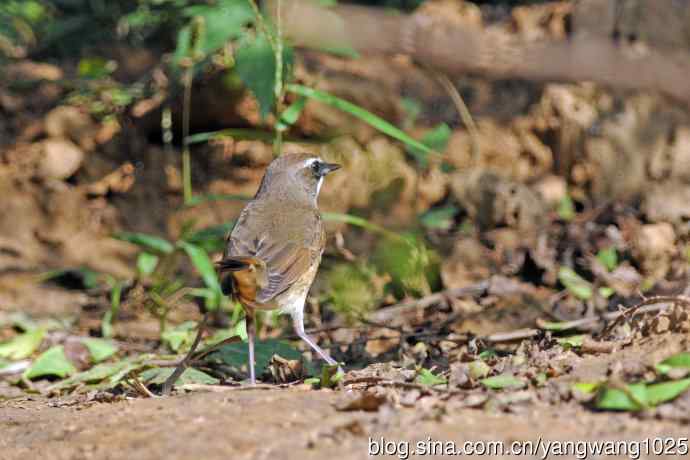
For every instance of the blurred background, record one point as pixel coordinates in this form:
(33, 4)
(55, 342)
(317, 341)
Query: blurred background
(504, 162)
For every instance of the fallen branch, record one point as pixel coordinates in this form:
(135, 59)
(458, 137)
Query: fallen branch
(458, 49)
(393, 313)
(632, 311)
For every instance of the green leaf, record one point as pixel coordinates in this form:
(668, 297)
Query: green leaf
(132, 364)
(184, 45)
(219, 22)
(632, 398)
(150, 242)
(331, 375)
(555, 326)
(440, 218)
(211, 238)
(364, 115)
(658, 393)
(84, 275)
(99, 349)
(95, 67)
(586, 387)
(606, 292)
(290, 115)
(51, 362)
(22, 346)
(412, 109)
(96, 374)
(638, 396)
(678, 361)
(146, 263)
(578, 286)
(203, 264)
(503, 381)
(566, 208)
(487, 354)
(237, 355)
(426, 377)
(158, 376)
(180, 337)
(608, 258)
(212, 298)
(255, 65)
(572, 341)
(436, 139)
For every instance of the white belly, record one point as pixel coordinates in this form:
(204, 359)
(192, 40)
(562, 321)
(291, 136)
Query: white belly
(292, 301)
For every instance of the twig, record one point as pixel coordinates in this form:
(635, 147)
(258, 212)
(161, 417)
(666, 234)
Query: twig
(512, 335)
(390, 313)
(223, 388)
(140, 387)
(170, 381)
(590, 345)
(464, 113)
(216, 346)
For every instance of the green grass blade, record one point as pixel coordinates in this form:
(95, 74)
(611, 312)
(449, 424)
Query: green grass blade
(249, 135)
(364, 115)
(203, 264)
(198, 199)
(360, 222)
(151, 242)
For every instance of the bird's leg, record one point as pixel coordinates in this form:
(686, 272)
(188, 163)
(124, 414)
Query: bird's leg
(251, 333)
(298, 324)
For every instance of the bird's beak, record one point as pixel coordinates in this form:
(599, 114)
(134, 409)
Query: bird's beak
(327, 168)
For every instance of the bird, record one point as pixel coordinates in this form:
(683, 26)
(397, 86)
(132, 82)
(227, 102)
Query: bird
(273, 253)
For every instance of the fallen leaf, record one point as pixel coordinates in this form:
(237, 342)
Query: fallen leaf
(51, 362)
(365, 401)
(503, 381)
(22, 346)
(426, 377)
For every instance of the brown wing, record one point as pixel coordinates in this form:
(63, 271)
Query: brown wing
(286, 247)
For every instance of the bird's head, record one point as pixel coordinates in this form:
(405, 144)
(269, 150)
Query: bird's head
(296, 175)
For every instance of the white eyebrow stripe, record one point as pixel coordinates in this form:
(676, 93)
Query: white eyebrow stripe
(310, 161)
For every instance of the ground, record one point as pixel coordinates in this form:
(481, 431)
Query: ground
(298, 422)
(502, 290)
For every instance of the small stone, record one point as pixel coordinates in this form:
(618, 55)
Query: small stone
(71, 123)
(61, 159)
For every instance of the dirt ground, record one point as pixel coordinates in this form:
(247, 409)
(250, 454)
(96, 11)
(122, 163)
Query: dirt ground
(566, 203)
(297, 422)
(288, 424)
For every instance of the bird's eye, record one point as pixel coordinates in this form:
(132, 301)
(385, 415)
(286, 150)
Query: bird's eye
(316, 167)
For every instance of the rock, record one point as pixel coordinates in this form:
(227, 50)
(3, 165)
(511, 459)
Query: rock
(680, 153)
(468, 264)
(70, 123)
(654, 246)
(491, 200)
(61, 159)
(552, 189)
(667, 202)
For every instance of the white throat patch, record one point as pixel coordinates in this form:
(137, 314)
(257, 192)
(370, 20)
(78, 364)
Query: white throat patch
(318, 186)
